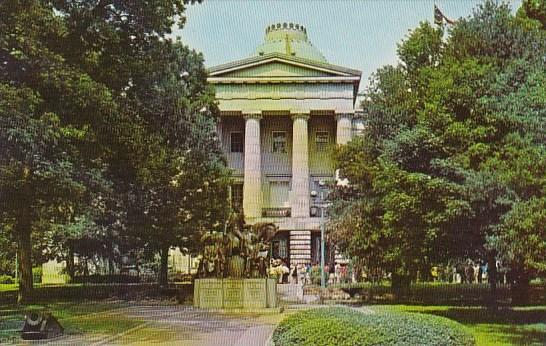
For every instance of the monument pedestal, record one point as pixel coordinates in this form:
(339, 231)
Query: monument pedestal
(235, 293)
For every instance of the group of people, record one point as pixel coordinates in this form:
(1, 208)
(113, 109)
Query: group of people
(467, 272)
(304, 273)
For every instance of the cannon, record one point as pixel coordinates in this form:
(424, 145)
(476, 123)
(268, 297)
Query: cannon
(40, 326)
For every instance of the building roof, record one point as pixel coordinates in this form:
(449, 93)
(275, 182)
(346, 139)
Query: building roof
(286, 45)
(278, 56)
(289, 42)
(290, 39)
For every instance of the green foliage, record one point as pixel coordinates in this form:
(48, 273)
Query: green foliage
(98, 291)
(343, 326)
(106, 279)
(503, 327)
(455, 141)
(522, 239)
(6, 280)
(422, 48)
(107, 130)
(534, 10)
(37, 275)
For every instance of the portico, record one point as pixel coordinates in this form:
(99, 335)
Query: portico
(282, 112)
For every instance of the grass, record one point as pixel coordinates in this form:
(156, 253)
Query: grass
(507, 326)
(77, 318)
(8, 287)
(15, 287)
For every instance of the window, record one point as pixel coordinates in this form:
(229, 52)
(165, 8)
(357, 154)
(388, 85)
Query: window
(236, 142)
(278, 194)
(322, 139)
(280, 249)
(237, 196)
(279, 142)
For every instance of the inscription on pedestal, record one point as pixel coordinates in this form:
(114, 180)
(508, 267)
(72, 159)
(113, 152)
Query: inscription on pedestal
(233, 293)
(255, 293)
(210, 293)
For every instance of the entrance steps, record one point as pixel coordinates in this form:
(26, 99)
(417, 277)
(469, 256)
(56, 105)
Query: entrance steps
(312, 294)
(290, 293)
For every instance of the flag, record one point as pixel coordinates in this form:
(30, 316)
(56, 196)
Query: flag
(439, 17)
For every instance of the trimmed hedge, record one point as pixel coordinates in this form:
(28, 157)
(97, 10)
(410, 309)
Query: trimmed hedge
(74, 292)
(107, 279)
(344, 326)
(429, 293)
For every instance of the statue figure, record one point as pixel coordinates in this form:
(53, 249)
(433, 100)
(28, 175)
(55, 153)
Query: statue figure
(240, 251)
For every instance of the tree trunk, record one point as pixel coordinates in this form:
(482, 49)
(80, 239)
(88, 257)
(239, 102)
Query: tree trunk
(164, 267)
(400, 284)
(86, 267)
(70, 266)
(492, 278)
(24, 249)
(520, 287)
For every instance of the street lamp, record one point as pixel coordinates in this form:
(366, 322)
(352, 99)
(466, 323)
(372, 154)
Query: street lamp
(322, 205)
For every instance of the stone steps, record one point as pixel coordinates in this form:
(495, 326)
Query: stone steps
(290, 293)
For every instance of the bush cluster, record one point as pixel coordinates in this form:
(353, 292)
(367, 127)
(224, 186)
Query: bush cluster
(107, 279)
(74, 292)
(344, 326)
(6, 279)
(439, 293)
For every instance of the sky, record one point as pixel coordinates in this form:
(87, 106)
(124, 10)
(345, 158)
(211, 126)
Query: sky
(359, 34)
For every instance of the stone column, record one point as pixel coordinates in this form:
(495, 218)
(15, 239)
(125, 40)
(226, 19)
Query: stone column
(252, 187)
(344, 127)
(300, 166)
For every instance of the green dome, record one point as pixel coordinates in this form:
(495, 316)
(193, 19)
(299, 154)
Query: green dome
(290, 39)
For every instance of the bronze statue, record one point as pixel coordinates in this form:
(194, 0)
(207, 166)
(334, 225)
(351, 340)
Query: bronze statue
(240, 251)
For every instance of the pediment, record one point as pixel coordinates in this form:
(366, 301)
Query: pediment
(279, 65)
(276, 69)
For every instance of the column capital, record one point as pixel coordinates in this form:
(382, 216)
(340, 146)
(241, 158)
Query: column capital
(252, 115)
(300, 115)
(345, 114)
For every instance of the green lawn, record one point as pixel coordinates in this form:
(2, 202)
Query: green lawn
(15, 287)
(8, 287)
(76, 318)
(510, 326)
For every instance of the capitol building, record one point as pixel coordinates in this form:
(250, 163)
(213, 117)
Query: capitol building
(282, 112)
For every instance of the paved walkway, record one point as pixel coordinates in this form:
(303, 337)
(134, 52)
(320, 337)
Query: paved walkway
(182, 325)
(185, 326)
(190, 326)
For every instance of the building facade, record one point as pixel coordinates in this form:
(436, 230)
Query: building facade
(282, 112)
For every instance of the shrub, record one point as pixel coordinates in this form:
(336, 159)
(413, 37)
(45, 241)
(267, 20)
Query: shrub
(315, 275)
(178, 277)
(106, 279)
(344, 326)
(74, 292)
(6, 279)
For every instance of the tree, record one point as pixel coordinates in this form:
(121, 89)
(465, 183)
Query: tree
(182, 175)
(37, 179)
(455, 141)
(534, 10)
(76, 123)
(522, 243)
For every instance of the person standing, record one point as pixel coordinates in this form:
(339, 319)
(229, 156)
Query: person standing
(285, 272)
